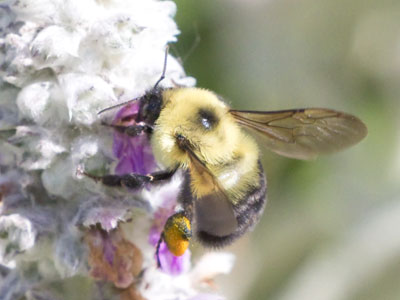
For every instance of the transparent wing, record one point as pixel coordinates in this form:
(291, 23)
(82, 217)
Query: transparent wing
(214, 212)
(303, 133)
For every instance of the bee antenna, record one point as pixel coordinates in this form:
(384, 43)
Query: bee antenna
(117, 105)
(164, 68)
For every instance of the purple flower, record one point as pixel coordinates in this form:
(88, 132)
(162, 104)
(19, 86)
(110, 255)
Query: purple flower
(171, 264)
(134, 153)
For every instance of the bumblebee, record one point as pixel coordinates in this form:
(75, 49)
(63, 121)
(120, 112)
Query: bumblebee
(224, 188)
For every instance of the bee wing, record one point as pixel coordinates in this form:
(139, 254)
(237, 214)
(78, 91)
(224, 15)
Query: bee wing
(214, 212)
(303, 133)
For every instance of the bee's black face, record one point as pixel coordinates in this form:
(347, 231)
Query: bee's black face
(150, 106)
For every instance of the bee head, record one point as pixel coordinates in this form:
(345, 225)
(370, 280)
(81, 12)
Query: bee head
(194, 119)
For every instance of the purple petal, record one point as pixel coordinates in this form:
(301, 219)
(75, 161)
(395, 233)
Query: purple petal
(171, 264)
(108, 249)
(128, 110)
(134, 153)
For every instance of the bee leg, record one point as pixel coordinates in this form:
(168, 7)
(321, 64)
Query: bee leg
(132, 130)
(132, 180)
(158, 250)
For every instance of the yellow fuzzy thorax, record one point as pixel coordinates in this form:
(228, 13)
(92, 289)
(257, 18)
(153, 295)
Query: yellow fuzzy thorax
(226, 150)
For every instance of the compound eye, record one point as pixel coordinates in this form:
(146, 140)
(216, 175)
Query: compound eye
(206, 123)
(208, 119)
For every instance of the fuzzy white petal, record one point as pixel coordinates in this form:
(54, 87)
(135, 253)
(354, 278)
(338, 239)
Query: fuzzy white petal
(85, 95)
(53, 46)
(33, 100)
(212, 264)
(20, 236)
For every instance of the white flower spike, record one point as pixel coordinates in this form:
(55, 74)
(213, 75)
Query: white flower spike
(61, 62)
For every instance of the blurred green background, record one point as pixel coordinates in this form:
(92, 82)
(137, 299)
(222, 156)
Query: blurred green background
(331, 229)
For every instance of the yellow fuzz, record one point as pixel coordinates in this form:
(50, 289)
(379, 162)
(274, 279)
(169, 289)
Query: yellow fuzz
(235, 176)
(174, 235)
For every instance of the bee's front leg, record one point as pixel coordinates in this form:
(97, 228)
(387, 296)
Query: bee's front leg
(131, 130)
(131, 180)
